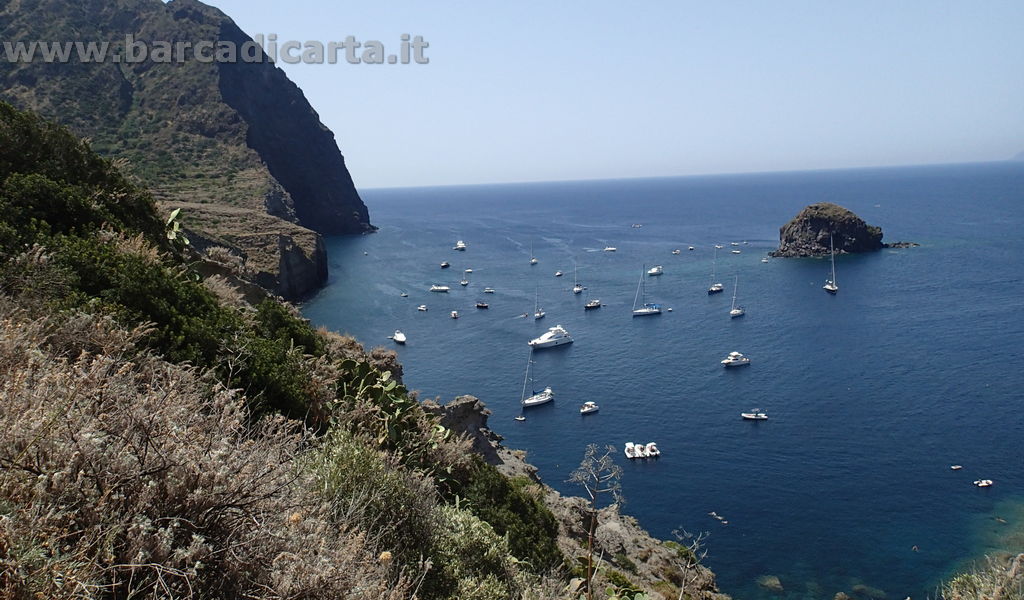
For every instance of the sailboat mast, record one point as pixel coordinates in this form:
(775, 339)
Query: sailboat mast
(526, 378)
(714, 265)
(832, 249)
(639, 286)
(735, 286)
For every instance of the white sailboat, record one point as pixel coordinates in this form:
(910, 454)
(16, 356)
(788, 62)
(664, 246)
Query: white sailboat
(715, 288)
(576, 287)
(830, 284)
(537, 398)
(538, 312)
(646, 307)
(533, 259)
(737, 311)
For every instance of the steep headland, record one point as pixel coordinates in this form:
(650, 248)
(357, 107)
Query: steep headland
(224, 135)
(807, 234)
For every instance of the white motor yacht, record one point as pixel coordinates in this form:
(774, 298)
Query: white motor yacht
(677, 251)
(655, 270)
(488, 290)
(755, 415)
(556, 336)
(459, 245)
(558, 273)
(735, 359)
(610, 248)
(439, 288)
(422, 308)
(399, 337)
(589, 407)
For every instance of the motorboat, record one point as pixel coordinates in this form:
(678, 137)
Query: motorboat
(764, 259)
(589, 407)
(646, 308)
(488, 290)
(464, 282)
(677, 252)
(482, 304)
(577, 287)
(468, 271)
(736, 311)
(652, 450)
(536, 398)
(755, 414)
(592, 304)
(640, 450)
(636, 225)
(460, 245)
(422, 308)
(538, 314)
(719, 246)
(631, 450)
(956, 467)
(439, 288)
(737, 251)
(734, 243)
(655, 270)
(399, 337)
(404, 295)
(610, 248)
(533, 260)
(556, 336)
(445, 265)
(984, 482)
(735, 359)
(558, 273)
(830, 284)
(455, 314)
(691, 248)
(520, 418)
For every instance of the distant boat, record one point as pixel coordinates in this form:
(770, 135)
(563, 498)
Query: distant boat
(577, 288)
(691, 248)
(536, 398)
(445, 265)
(830, 284)
(404, 295)
(636, 225)
(737, 251)
(655, 270)
(652, 450)
(399, 337)
(755, 414)
(439, 288)
(677, 251)
(984, 483)
(592, 304)
(719, 246)
(558, 273)
(455, 314)
(538, 312)
(734, 243)
(460, 245)
(422, 308)
(469, 270)
(464, 282)
(589, 407)
(533, 259)
(482, 304)
(715, 288)
(764, 259)
(735, 359)
(736, 311)
(610, 248)
(488, 290)
(556, 336)
(646, 308)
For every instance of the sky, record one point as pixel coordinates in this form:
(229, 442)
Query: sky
(594, 89)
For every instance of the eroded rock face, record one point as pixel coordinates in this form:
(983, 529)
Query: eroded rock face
(808, 233)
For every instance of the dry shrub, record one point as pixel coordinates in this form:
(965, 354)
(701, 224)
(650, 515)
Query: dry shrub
(226, 292)
(137, 480)
(226, 258)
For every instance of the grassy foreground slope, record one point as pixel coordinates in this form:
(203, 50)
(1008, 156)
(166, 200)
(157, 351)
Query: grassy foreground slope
(160, 436)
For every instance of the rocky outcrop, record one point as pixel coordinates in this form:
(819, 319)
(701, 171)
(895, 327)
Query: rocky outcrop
(659, 568)
(236, 135)
(808, 233)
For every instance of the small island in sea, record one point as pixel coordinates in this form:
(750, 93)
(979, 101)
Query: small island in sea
(808, 233)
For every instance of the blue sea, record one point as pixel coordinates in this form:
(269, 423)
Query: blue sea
(915, 365)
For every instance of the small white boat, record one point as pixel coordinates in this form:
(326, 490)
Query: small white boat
(764, 259)
(469, 270)
(691, 248)
(956, 467)
(488, 290)
(520, 418)
(755, 415)
(404, 295)
(655, 270)
(719, 246)
(455, 314)
(592, 304)
(537, 398)
(735, 359)
(589, 407)
(636, 225)
(556, 336)
(610, 248)
(459, 245)
(677, 251)
(577, 287)
(737, 311)
(445, 265)
(422, 308)
(558, 273)
(439, 288)
(734, 243)
(630, 450)
(399, 337)
(736, 251)
(652, 450)
(984, 482)
(482, 304)
(715, 287)
(464, 282)
(538, 314)
(830, 284)
(533, 260)
(640, 450)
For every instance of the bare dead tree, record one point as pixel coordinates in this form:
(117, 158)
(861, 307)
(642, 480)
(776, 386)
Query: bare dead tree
(599, 476)
(692, 553)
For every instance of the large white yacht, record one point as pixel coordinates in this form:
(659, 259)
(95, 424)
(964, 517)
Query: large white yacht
(735, 359)
(556, 336)
(655, 270)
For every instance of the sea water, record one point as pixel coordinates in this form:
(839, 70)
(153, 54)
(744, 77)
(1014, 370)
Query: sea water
(872, 394)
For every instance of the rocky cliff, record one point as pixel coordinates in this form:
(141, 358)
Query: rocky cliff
(808, 233)
(662, 569)
(237, 135)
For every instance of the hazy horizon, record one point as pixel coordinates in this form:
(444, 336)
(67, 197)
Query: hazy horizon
(597, 90)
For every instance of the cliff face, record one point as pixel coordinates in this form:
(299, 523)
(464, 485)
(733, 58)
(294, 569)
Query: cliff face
(808, 233)
(237, 135)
